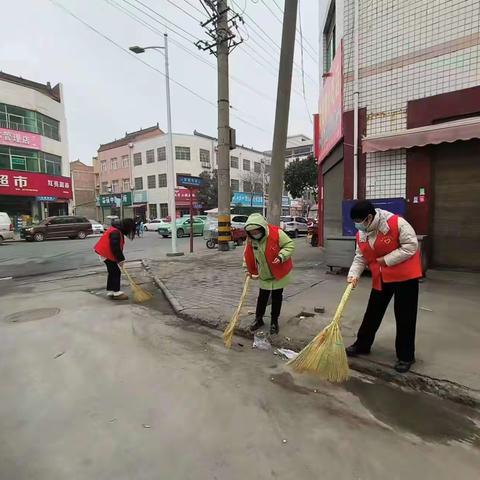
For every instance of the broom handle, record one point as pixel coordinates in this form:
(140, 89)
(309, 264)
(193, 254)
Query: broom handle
(343, 302)
(129, 278)
(246, 284)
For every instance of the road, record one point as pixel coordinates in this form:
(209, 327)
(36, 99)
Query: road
(93, 389)
(18, 259)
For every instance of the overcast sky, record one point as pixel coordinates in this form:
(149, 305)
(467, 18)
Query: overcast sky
(108, 92)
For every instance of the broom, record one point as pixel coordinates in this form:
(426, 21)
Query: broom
(325, 354)
(139, 294)
(228, 333)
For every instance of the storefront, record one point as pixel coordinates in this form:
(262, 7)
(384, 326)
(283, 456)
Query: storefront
(182, 202)
(246, 203)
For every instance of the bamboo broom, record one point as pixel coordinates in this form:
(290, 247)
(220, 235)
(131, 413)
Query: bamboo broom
(139, 294)
(325, 354)
(228, 333)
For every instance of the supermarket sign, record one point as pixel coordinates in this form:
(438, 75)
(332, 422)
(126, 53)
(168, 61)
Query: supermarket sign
(27, 184)
(14, 138)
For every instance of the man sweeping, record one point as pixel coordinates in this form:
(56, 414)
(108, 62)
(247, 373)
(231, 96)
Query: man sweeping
(268, 257)
(388, 244)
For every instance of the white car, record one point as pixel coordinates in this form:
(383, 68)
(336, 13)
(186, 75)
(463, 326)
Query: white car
(97, 227)
(238, 221)
(154, 225)
(294, 226)
(6, 227)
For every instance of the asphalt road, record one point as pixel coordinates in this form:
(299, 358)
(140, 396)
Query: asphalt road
(18, 259)
(93, 389)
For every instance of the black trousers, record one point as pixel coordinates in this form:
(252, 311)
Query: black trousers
(405, 307)
(114, 274)
(277, 298)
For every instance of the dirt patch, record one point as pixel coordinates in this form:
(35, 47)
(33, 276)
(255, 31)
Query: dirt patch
(31, 315)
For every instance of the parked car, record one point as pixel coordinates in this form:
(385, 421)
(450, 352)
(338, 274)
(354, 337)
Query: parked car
(6, 227)
(154, 225)
(183, 227)
(238, 221)
(294, 225)
(58, 227)
(97, 227)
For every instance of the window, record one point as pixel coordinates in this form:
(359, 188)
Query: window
(125, 161)
(267, 169)
(150, 156)
(247, 187)
(182, 153)
(205, 158)
(233, 162)
(29, 160)
(257, 167)
(246, 165)
(139, 183)
(163, 210)
(115, 186)
(329, 39)
(152, 208)
(258, 187)
(103, 166)
(49, 163)
(162, 180)
(114, 163)
(137, 159)
(235, 185)
(161, 154)
(126, 184)
(18, 163)
(104, 187)
(151, 181)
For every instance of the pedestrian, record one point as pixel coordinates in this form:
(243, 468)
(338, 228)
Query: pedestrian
(141, 228)
(110, 248)
(137, 225)
(268, 257)
(388, 245)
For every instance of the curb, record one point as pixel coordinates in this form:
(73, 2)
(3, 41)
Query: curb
(442, 388)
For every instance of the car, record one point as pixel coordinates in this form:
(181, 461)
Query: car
(293, 226)
(238, 221)
(6, 227)
(97, 227)
(183, 227)
(57, 227)
(154, 225)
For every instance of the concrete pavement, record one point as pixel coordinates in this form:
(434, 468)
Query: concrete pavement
(93, 389)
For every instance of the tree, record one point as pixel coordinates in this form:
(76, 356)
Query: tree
(208, 193)
(301, 176)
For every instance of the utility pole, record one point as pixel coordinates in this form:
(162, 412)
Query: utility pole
(282, 111)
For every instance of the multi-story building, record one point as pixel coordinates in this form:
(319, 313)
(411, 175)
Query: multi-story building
(418, 118)
(34, 166)
(83, 189)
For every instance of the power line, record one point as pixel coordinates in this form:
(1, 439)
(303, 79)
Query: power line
(184, 11)
(194, 7)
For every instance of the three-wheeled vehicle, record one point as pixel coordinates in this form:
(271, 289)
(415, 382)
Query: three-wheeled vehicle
(210, 231)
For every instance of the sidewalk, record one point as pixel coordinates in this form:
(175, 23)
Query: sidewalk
(206, 288)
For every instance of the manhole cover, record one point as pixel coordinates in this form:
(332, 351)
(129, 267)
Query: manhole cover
(34, 314)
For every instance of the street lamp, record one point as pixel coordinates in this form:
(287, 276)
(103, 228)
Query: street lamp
(170, 159)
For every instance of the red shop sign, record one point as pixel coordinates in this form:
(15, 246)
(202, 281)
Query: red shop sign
(27, 184)
(14, 138)
(182, 196)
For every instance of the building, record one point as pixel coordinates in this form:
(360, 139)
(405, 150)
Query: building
(34, 167)
(83, 189)
(114, 166)
(418, 119)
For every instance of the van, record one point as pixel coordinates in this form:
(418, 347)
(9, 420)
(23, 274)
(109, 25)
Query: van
(58, 227)
(6, 227)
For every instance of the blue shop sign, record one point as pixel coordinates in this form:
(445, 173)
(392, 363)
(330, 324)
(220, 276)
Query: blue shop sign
(46, 198)
(246, 200)
(189, 182)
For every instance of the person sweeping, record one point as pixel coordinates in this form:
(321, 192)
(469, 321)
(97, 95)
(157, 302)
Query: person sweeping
(388, 244)
(110, 249)
(267, 257)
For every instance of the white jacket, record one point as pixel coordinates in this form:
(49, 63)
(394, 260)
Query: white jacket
(407, 238)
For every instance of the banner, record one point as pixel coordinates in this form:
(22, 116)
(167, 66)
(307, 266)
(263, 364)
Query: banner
(27, 184)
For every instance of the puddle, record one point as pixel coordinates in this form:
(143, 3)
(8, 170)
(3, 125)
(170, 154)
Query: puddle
(30, 315)
(426, 416)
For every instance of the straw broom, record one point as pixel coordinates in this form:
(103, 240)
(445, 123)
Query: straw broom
(139, 294)
(228, 333)
(325, 354)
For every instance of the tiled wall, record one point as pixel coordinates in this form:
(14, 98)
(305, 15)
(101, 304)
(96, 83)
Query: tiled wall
(409, 49)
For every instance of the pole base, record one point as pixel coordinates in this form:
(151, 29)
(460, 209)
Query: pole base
(177, 254)
(223, 247)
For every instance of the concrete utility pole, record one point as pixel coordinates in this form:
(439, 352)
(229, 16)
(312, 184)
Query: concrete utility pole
(282, 111)
(223, 153)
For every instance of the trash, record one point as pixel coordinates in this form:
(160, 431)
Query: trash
(319, 309)
(284, 441)
(240, 344)
(146, 426)
(286, 353)
(251, 312)
(112, 420)
(59, 354)
(301, 317)
(288, 339)
(261, 342)
(425, 309)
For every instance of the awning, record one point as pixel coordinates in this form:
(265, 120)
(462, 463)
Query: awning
(449, 132)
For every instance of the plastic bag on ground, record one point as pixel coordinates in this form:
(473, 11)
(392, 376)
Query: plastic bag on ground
(260, 341)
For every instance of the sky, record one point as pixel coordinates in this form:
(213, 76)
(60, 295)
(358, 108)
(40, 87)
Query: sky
(109, 91)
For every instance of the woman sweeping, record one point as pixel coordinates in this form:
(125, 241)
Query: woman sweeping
(110, 249)
(268, 257)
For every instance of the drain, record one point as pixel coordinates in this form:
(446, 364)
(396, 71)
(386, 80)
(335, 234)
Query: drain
(30, 315)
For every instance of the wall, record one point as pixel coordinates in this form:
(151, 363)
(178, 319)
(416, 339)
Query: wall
(83, 183)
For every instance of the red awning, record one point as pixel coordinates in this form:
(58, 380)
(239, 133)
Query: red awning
(449, 132)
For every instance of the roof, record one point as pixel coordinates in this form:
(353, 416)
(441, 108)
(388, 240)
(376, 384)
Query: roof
(129, 137)
(199, 134)
(79, 165)
(46, 89)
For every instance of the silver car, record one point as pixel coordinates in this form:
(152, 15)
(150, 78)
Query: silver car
(294, 226)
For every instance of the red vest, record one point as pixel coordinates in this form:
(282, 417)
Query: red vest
(272, 249)
(385, 244)
(102, 247)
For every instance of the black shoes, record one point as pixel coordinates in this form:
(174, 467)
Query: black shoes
(258, 323)
(274, 328)
(355, 351)
(403, 367)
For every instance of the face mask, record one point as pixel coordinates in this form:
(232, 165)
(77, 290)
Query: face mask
(360, 227)
(257, 236)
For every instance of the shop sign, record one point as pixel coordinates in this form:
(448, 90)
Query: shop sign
(27, 184)
(244, 199)
(182, 196)
(14, 138)
(116, 200)
(46, 198)
(189, 182)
